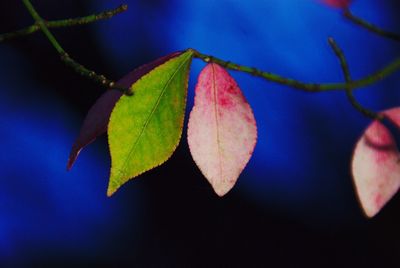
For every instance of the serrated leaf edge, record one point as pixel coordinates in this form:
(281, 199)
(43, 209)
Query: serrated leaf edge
(256, 128)
(111, 192)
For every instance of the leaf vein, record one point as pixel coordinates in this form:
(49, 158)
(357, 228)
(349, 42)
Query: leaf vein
(216, 113)
(148, 119)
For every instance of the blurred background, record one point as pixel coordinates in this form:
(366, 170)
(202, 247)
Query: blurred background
(293, 206)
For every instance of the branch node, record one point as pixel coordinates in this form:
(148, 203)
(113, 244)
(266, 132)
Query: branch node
(349, 90)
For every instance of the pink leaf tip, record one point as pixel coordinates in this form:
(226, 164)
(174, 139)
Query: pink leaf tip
(222, 130)
(376, 166)
(343, 4)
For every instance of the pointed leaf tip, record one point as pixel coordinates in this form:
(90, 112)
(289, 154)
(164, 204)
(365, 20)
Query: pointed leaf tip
(376, 166)
(222, 130)
(110, 191)
(96, 121)
(145, 129)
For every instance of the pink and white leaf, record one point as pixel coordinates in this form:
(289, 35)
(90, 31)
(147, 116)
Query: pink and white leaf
(222, 130)
(96, 121)
(376, 165)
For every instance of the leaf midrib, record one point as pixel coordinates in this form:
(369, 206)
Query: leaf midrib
(122, 170)
(216, 113)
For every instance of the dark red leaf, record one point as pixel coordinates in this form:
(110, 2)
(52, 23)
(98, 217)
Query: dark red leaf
(96, 121)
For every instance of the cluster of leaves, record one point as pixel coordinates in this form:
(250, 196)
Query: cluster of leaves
(145, 129)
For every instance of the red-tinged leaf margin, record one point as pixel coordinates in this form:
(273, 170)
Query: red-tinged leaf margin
(96, 121)
(222, 130)
(375, 165)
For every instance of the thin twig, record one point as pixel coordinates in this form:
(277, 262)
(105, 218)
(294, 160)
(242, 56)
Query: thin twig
(309, 87)
(77, 67)
(43, 25)
(349, 90)
(369, 26)
(64, 23)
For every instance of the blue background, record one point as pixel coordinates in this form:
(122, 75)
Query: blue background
(294, 204)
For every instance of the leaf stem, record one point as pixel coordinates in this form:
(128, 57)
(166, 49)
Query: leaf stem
(64, 23)
(349, 90)
(43, 25)
(77, 67)
(40, 22)
(369, 26)
(308, 87)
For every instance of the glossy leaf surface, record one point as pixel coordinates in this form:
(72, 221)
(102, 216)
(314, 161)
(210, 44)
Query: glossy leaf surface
(145, 128)
(222, 131)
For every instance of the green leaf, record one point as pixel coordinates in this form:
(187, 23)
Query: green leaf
(145, 129)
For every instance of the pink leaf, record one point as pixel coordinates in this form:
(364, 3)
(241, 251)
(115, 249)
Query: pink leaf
(222, 130)
(96, 121)
(376, 165)
(344, 4)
